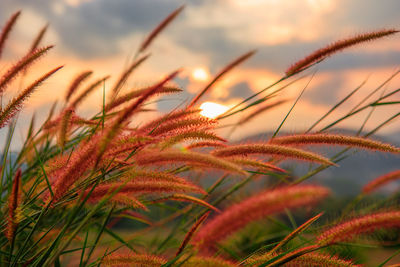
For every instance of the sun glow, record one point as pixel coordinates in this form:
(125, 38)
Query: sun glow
(200, 74)
(212, 110)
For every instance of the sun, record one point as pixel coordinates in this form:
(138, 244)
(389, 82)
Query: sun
(200, 74)
(212, 110)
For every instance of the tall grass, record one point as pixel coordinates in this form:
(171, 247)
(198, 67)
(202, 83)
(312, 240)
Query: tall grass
(75, 178)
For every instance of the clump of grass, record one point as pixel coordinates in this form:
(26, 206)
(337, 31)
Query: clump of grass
(75, 178)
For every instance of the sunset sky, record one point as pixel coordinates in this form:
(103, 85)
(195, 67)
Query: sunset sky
(101, 35)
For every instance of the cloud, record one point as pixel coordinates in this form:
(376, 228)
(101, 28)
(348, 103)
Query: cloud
(239, 90)
(326, 92)
(92, 29)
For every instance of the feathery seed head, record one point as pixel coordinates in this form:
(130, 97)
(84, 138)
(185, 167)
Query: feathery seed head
(254, 208)
(75, 84)
(146, 43)
(334, 139)
(348, 230)
(21, 65)
(205, 144)
(13, 206)
(190, 157)
(199, 261)
(16, 103)
(380, 181)
(336, 47)
(7, 29)
(130, 259)
(273, 150)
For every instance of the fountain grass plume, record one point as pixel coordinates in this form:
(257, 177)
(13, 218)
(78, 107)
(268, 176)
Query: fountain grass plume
(350, 229)
(21, 65)
(263, 204)
(89, 89)
(380, 181)
(126, 74)
(76, 82)
(13, 202)
(336, 47)
(160, 27)
(191, 232)
(150, 157)
(16, 103)
(129, 259)
(271, 149)
(7, 29)
(334, 139)
(205, 144)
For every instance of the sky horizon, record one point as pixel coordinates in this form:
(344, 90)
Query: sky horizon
(101, 36)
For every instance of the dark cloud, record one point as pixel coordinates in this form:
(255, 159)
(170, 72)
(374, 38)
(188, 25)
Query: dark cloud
(327, 92)
(239, 90)
(93, 28)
